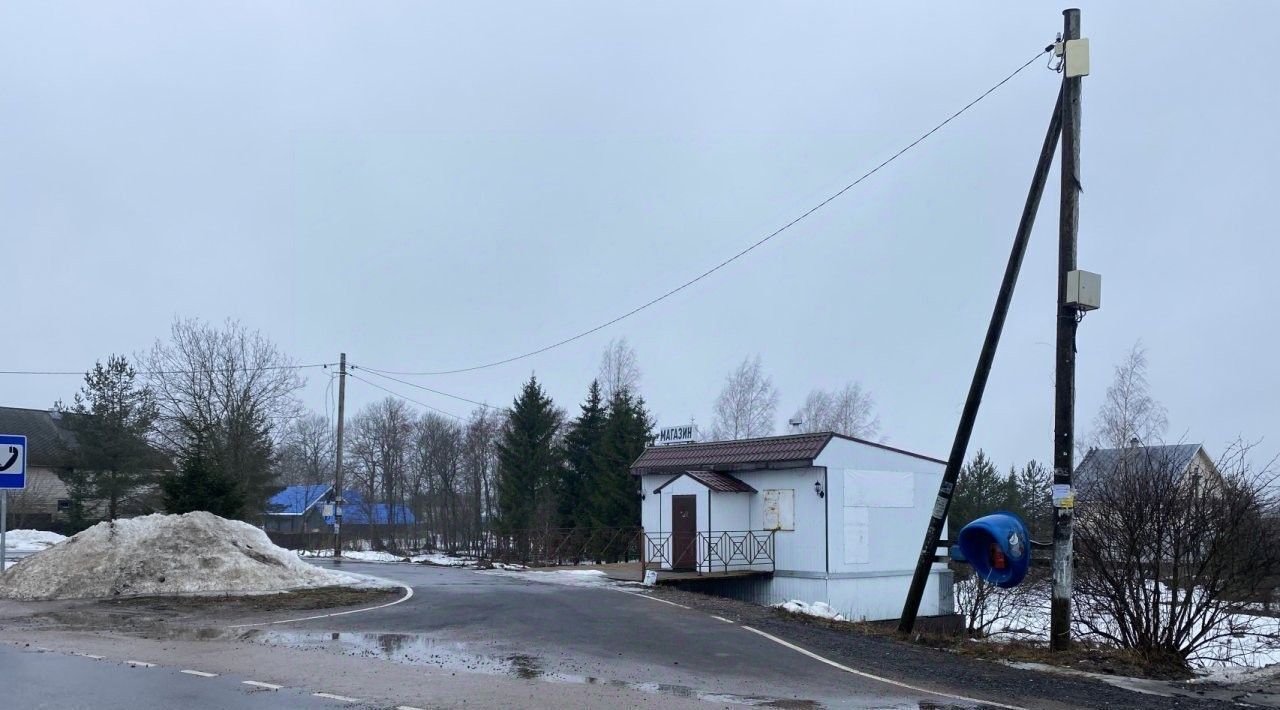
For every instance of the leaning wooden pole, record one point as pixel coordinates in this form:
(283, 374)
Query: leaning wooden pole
(929, 550)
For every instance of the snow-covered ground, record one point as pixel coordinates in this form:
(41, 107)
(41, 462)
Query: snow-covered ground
(818, 609)
(438, 559)
(31, 540)
(1223, 658)
(196, 553)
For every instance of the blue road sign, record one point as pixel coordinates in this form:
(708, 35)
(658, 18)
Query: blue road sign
(13, 461)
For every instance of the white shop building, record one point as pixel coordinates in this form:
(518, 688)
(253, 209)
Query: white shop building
(813, 517)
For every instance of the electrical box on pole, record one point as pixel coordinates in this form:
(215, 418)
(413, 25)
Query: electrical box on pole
(1084, 290)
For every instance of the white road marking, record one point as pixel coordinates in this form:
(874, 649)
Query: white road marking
(646, 596)
(408, 595)
(260, 684)
(331, 696)
(407, 707)
(141, 664)
(202, 674)
(882, 679)
(721, 618)
(88, 655)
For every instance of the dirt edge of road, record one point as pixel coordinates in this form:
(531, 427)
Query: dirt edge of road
(326, 598)
(870, 648)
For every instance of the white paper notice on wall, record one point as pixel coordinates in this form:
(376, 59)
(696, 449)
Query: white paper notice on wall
(857, 532)
(780, 509)
(879, 489)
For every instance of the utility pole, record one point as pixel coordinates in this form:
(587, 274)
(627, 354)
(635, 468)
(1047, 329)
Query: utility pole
(337, 476)
(1067, 317)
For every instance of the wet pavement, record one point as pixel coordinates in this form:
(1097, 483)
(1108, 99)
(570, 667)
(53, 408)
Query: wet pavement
(498, 639)
(512, 623)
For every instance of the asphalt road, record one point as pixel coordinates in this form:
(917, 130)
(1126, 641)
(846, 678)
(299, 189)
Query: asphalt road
(35, 680)
(488, 639)
(472, 620)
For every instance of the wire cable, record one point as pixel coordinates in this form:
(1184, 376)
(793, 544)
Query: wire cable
(223, 370)
(378, 373)
(407, 399)
(738, 255)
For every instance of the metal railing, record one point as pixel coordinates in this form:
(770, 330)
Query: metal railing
(706, 552)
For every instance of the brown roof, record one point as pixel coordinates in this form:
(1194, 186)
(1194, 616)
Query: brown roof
(713, 480)
(799, 449)
(791, 451)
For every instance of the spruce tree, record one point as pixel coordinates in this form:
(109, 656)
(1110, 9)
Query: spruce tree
(201, 485)
(580, 471)
(627, 430)
(528, 460)
(980, 490)
(111, 417)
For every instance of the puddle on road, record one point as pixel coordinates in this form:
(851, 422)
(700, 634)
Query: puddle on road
(420, 650)
(414, 649)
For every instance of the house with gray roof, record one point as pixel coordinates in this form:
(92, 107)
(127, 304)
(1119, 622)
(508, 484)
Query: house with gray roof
(1189, 461)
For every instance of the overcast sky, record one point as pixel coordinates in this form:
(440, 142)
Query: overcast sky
(433, 185)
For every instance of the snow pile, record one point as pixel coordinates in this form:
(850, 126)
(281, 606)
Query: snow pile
(31, 540)
(196, 553)
(819, 609)
(442, 560)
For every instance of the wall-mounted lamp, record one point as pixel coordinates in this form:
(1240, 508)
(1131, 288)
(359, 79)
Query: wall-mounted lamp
(817, 488)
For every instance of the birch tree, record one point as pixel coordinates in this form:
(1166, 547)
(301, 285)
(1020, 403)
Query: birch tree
(849, 410)
(619, 370)
(747, 404)
(1129, 411)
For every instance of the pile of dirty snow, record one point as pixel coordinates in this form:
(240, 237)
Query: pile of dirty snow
(31, 540)
(196, 553)
(818, 609)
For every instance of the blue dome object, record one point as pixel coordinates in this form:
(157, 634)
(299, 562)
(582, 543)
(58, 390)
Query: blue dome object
(999, 548)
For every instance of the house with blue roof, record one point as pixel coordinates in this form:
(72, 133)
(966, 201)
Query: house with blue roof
(298, 509)
(358, 511)
(302, 509)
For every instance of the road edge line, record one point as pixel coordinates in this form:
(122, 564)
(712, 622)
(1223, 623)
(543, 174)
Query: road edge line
(408, 595)
(882, 679)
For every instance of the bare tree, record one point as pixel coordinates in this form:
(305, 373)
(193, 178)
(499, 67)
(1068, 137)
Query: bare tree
(849, 410)
(1173, 560)
(306, 452)
(480, 461)
(228, 391)
(619, 369)
(380, 448)
(437, 464)
(1129, 411)
(747, 404)
(992, 611)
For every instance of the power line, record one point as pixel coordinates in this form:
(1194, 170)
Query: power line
(745, 251)
(152, 373)
(381, 373)
(407, 399)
